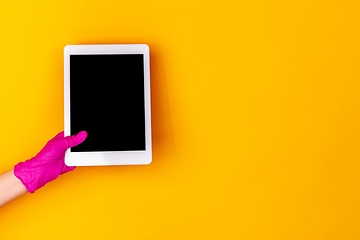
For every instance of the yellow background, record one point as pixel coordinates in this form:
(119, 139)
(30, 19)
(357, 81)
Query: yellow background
(255, 113)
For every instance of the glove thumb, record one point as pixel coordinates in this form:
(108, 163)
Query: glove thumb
(72, 141)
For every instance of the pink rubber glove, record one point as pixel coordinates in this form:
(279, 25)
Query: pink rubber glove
(48, 164)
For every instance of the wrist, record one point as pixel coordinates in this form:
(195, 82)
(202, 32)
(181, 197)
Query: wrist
(10, 187)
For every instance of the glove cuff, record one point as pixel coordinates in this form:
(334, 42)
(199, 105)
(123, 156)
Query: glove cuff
(26, 176)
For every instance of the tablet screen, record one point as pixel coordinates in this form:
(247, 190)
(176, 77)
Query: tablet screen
(107, 101)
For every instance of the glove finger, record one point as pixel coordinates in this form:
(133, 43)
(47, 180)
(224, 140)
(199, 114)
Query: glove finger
(67, 169)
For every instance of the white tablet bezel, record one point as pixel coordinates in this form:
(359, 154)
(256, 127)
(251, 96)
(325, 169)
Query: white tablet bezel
(112, 157)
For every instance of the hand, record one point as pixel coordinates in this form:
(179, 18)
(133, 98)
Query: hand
(48, 164)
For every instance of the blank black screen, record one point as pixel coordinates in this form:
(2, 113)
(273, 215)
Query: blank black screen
(107, 101)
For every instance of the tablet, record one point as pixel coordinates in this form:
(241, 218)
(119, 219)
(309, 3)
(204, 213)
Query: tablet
(107, 94)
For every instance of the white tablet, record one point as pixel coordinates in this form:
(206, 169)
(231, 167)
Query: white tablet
(107, 94)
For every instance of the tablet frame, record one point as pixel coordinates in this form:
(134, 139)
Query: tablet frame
(108, 157)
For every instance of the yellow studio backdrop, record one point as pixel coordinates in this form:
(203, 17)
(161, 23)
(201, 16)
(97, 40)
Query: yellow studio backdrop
(255, 113)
